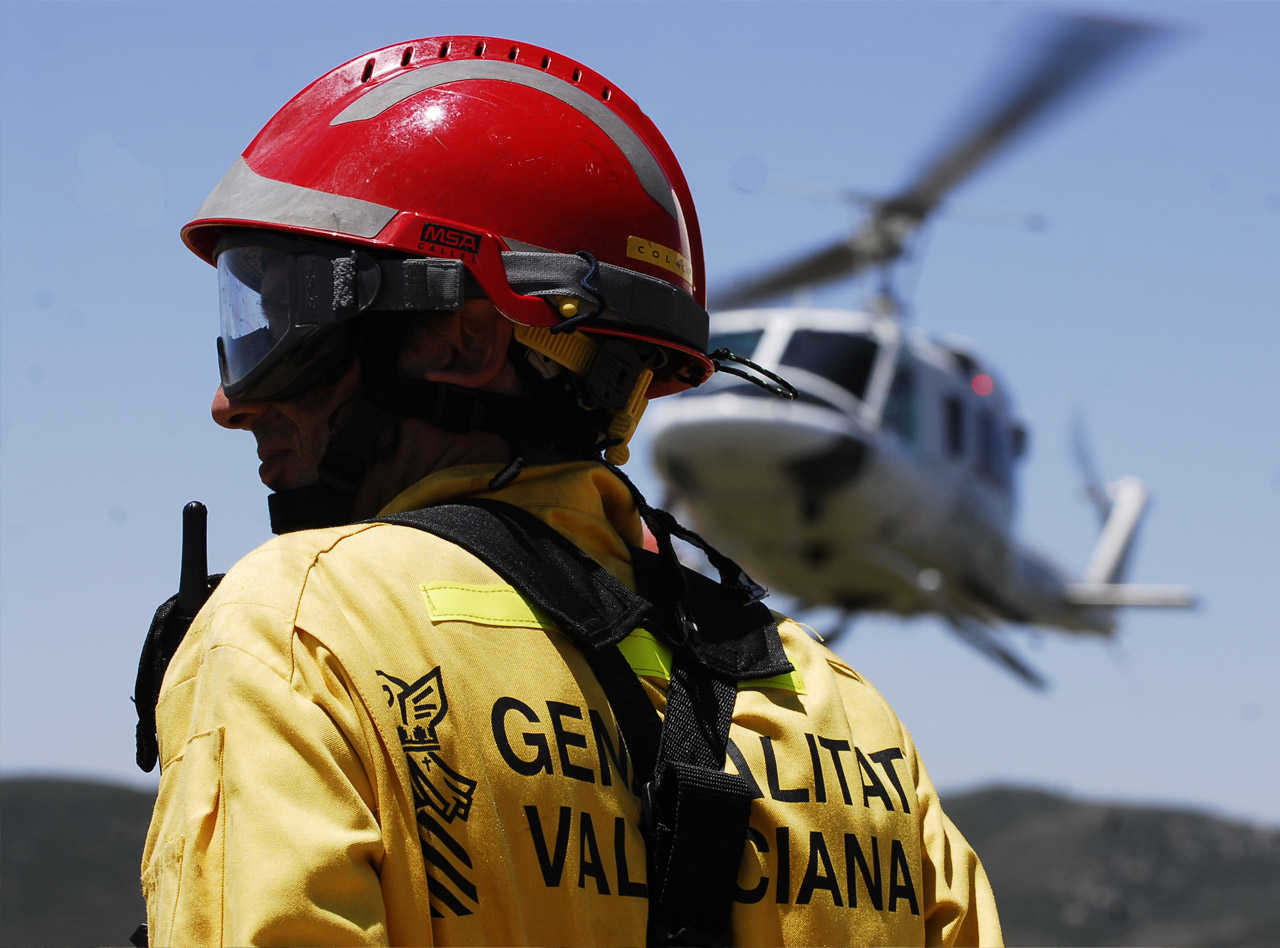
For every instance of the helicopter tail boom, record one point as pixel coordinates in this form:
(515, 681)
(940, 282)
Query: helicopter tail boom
(1129, 595)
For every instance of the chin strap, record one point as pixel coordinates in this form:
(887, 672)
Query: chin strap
(366, 430)
(360, 432)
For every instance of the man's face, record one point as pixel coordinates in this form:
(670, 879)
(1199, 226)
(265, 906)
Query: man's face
(468, 348)
(292, 435)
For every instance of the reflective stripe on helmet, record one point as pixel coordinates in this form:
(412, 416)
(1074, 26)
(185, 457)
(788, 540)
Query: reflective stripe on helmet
(244, 195)
(382, 97)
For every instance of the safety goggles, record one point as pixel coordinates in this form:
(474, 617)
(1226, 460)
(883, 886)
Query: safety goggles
(287, 306)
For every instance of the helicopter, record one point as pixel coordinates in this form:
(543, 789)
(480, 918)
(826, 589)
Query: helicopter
(887, 484)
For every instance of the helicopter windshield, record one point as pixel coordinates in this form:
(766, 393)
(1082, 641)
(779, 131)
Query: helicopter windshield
(841, 357)
(900, 407)
(741, 343)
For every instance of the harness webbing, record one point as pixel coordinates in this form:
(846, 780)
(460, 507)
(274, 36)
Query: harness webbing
(694, 814)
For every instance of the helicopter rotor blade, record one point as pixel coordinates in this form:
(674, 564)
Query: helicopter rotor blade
(983, 639)
(1082, 452)
(1072, 51)
(837, 259)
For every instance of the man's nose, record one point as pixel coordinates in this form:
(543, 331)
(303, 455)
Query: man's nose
(234, 412)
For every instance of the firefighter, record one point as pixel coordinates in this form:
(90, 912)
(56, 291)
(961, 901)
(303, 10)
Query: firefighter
(455, 701)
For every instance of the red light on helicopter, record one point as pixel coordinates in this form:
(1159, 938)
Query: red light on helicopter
(982, 384)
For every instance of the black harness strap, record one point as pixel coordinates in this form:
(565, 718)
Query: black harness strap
(587, 603)
(694, 815)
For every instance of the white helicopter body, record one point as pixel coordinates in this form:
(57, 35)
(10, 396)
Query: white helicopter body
(887, 484)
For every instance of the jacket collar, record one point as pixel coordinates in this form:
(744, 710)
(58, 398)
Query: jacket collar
(593, 509)
(581, 500)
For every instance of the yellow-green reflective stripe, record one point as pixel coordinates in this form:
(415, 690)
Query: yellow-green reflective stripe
(651, 658)
(483, 605)
(503, 606)
(646, 655)
(788, 681)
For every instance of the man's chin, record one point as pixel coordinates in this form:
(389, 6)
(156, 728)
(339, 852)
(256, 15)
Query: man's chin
(282, 472)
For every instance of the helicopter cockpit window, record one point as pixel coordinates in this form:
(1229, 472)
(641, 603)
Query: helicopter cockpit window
(993, 450)
(900, 406)
(741, 343)
(842, 357)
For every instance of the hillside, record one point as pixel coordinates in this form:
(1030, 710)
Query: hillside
(1064, 871)
(1067, 872)
(69, 853)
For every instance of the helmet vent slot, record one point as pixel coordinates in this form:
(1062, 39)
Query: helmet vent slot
(407, 56)
(606, 94)
(368, 71)
(513, 52)
(480, 48)
(546, 62)
(444, 49)
(577, 75)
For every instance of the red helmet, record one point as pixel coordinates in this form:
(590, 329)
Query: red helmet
(506, 156)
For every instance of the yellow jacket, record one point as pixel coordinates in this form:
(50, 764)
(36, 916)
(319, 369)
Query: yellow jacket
(367, 737)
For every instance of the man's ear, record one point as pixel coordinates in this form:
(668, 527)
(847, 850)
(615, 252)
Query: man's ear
(467, 347)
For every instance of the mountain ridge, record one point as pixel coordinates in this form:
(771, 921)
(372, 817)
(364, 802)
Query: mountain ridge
(1065, 870)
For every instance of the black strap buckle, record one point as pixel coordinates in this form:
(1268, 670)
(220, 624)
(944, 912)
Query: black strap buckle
(649, 807)
(591, 289)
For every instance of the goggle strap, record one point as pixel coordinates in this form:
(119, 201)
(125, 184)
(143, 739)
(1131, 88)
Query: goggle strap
(414, 284)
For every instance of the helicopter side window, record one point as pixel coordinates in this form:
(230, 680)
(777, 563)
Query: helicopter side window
(844, 358)
(953, 415)
(993, 450)
(900, 406)
(741, 343)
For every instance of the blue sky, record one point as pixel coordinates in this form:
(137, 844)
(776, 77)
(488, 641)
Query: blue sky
(1149, 302)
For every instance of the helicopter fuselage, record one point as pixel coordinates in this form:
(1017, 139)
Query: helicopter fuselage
(887, 485)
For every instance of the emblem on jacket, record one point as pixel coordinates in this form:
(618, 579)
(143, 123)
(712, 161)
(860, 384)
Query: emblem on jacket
(440, 793)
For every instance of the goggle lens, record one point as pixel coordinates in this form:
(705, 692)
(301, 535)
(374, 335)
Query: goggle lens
(254, 297)
(278, 329)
